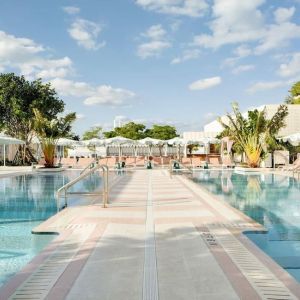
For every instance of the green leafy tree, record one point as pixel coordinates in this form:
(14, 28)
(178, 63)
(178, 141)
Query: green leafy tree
(161, 132)
(254, 135)
(94, 132)
(50, 131)
(294, 94)
(18, 98)
(130, 130)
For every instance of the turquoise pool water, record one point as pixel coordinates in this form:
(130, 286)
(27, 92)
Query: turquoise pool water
(26, 201)
(271, 200)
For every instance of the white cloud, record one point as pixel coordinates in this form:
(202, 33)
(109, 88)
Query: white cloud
(277, 36)
(86, 33)
(156, 44)
(191, 8)
(243, 68)
(188, 54)
(206, 83)
(28, 58)
(283, 14)
(238, 22)
(292, 67)
(106, 95)
(266, 85)
(155, 32)
(235, 22)
(94, 95)
(71, 10)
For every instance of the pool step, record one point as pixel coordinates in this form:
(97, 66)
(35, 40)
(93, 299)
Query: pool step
(263, 281)
(38, 285)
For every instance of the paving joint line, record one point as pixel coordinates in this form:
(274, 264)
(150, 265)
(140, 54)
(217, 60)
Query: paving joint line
(150, 283)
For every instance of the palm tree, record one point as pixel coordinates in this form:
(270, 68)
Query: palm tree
(50, 131)
(254, 135)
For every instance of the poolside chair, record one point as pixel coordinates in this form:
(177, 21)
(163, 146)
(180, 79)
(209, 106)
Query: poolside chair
(214, 161)
(140, 161)
(291, 167)
(197, 162)
(227, 162)
(166, 160)
(187, 162)
(111, 162)
(130, 161)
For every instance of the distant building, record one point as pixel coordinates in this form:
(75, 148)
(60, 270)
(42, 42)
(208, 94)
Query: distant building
(292, 120)
(119, 121)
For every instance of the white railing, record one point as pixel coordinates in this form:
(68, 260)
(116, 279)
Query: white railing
(64, 189)
(89, 166)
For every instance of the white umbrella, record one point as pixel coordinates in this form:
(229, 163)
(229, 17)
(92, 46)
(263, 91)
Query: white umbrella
(176, 141)
(68, 142)
(94, 142)
(64, 142)
(293, 139)
(8, 140)
(206, 141)
(151, 142)
(118, 141)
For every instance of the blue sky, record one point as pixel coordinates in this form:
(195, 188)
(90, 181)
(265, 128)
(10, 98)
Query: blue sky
(178, 62)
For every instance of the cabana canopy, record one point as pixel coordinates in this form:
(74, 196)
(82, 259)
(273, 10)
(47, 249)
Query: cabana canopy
(293, 139)
(8, 140)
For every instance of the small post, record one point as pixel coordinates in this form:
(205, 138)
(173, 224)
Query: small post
(66, 202)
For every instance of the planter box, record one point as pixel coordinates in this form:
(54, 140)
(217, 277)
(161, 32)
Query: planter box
(47, 170)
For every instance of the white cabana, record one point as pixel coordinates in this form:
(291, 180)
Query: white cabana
(293, 139)
(150, 142)
(94, 142)
(64, 142)
(8, 140)
(118, 141)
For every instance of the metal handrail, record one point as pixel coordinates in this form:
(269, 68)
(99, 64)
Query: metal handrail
(89, 166)
(80, 177)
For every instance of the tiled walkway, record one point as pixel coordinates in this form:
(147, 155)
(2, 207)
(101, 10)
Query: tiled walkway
(161, 238)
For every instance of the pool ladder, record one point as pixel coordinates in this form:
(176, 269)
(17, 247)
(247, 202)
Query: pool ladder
(64, 189)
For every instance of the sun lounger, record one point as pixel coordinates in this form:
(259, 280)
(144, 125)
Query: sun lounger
(227, 162)
(214, 161)
(140, 161)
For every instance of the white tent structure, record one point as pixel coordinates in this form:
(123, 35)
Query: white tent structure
(293, 139)
(8, 140)
(150, 142)
(118, 141)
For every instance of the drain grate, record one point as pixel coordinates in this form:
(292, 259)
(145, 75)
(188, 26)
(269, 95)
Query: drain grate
(38, 285)
(261, 278)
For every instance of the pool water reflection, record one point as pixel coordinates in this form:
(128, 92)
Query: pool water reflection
(26, 201)
(271, 200)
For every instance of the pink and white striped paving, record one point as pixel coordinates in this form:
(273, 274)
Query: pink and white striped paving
(160, 238)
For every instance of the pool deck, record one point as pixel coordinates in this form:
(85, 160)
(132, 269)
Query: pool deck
(162, 238)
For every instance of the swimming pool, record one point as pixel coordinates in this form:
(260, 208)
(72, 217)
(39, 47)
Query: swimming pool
(26, 201)
(271, 200)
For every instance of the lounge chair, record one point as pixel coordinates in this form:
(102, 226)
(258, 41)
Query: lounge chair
(291, 167)
(214, 161)
(140, 161)
(186, 162)
(227, 162)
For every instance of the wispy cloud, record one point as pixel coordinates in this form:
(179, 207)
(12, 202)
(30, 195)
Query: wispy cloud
(71, 10)
(30, 58)
(94, 95)
(188, 54)
(243, 68)
(206, 83)
(156, 42)
(190, 8)
(86, 34)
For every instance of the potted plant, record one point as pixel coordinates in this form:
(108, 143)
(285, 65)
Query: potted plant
(50, 131)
